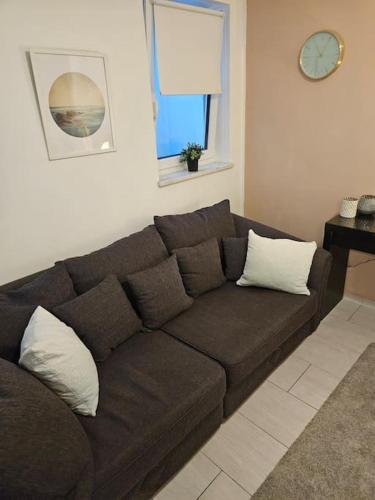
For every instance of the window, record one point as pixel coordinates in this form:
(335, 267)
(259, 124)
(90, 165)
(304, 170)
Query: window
(179, 119)
(182, 113)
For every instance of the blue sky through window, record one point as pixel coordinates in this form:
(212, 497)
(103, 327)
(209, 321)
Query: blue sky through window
(181, 119)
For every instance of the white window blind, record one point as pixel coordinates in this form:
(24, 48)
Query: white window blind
(189, 45)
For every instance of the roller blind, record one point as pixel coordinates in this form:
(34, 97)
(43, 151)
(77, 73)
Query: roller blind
(189, 45)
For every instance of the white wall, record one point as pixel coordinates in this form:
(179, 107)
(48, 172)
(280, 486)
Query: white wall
(52, 210)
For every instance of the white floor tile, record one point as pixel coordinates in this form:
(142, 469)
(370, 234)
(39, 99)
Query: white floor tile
(365, 317)
(335, 359)
(288, 372)
(346, 308)
(345, 333)
(315, 386)
(244, 452)
(224, 488)
(278, 413)
(191, 481)
(368, 303)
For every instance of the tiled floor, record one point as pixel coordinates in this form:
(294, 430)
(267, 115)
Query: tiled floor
(237, 459)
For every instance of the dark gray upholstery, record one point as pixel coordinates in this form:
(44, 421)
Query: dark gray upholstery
(200, 267)
(161, 395)
(177, 458)
(44, 452)
(153, 392)
(126, 256)
(240, 327)
(237, 394)
(159, 293)
(186, 230)
(321, 264)
(235, 252)
(102, 317)
(17, 306)
(243, 226)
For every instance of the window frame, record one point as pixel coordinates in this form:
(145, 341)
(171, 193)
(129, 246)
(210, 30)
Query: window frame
(210, 155)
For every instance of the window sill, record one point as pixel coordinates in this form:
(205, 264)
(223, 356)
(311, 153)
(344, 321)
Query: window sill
(185, 175)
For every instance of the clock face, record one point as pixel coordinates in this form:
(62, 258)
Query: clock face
(321, 55)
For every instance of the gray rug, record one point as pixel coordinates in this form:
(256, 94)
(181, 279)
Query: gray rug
(334, 458)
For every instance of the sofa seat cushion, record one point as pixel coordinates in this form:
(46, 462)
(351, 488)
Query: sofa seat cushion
(153, 391)
(241, 327)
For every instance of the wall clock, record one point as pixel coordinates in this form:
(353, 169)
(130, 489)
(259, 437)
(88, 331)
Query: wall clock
(321, 54)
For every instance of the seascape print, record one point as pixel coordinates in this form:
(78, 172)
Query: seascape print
(76, 104)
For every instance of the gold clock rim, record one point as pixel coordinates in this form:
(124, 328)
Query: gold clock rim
(340, 41)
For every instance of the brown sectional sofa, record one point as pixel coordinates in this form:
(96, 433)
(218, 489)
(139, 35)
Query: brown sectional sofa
(163, 393)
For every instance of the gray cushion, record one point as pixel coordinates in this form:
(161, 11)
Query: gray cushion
(159, 293)
(186, 230)
(200, 267)
(128, 255)
(154, 392)
(49, 289)
(44, 452)
(102, 317)
(235, 252)
(241, 327)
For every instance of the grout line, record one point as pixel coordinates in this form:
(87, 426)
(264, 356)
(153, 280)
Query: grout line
(209, 484)
(263, 430)
(302, 401)
(226, 473)
(302, 374)
(238, 484)
(351, 316)
(295, 397)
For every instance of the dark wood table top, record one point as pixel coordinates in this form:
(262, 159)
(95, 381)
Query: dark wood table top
(360, 223)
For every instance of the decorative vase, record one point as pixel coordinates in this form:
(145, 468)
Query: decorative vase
(366, 204)
(349, 207)
(192, 165)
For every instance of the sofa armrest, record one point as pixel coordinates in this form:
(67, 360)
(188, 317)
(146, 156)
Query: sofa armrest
(320, 267)
(243, 225)
(44, 451)
(318, 279)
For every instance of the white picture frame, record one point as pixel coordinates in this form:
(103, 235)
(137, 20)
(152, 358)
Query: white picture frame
(74, 101)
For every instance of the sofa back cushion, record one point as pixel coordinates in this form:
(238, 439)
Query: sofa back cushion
(48, 290)
(159, 293)
(235, 252)
(200, 267)
(102, 317)
(126, 256)
(186, 230)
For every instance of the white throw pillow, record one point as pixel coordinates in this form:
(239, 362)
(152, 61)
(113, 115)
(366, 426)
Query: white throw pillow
(278, 264)
(52, 352)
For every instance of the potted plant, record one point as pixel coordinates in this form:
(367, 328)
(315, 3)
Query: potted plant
(191, 155)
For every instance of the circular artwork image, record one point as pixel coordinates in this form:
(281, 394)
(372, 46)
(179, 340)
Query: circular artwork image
(76, 104)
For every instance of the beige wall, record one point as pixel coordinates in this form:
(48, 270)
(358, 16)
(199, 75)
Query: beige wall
(309, 144)
(51, 210)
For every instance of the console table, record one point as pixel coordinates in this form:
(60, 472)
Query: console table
(340, 236)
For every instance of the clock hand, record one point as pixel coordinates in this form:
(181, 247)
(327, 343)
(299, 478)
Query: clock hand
(317, 48)
(325, 46)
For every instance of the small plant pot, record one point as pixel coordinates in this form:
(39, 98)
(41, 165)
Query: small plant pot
(192, 165)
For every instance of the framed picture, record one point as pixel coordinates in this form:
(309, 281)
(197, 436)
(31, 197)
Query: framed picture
(74, 102)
